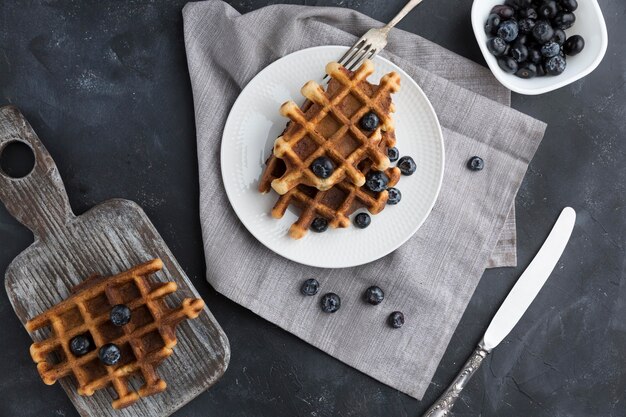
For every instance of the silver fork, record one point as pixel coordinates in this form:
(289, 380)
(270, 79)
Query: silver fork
(374, 41)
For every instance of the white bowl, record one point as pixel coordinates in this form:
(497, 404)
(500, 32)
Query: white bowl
(589, 24)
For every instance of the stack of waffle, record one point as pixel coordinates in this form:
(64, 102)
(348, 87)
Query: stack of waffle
(327, 125)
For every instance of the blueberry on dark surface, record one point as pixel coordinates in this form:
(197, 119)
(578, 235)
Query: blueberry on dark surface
(527, 70)
(508, 30)
(475, 163)
(550, 49)
(374, 295)
(526, 25)
(534, 56)
(555, 65)
(568, 5)
(491, 26)
(396, 319)
(519, 52)
(507, 64)
(319, 225)
(369, 122)
(310, 287)
(376, 181)
(543, 32)
(574, 45)
(564, 20)
(548, 9)
(79, 345)
(394, 196)
(330, 302)
(496, 46)
(109, 354)
(504, 11)
(393, 154)
(322, 167)
(362, 220)
(559, 36)
(529, 13)
(407, 165)
(120, 315)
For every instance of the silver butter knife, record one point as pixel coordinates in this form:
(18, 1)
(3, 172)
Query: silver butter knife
(512, 309)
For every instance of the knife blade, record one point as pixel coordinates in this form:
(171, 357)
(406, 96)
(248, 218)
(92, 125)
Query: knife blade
(512, 309)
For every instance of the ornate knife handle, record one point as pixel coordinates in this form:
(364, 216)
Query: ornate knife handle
(443, 406)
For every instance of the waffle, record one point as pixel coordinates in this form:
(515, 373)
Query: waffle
(144, 342)
(330, 127)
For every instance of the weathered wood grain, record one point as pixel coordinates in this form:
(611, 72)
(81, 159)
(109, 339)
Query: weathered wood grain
(107, 239)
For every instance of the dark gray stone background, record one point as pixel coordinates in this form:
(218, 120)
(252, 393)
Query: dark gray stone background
(105, 85)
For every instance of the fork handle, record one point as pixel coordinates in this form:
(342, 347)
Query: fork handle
(405, 10)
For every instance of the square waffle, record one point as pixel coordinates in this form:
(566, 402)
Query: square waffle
(144, 342)
(330, 127)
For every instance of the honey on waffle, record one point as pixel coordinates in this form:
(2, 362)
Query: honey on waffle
(144, 342)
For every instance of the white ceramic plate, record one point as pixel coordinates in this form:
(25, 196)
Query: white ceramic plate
(253, 125)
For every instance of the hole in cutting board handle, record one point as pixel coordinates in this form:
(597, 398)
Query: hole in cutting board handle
(17, 159)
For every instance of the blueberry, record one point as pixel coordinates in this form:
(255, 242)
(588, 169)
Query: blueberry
(310, 287)
(407, 165)
(120, 315)
(518, 4)
(508, 64)
(369, 122)
(534, 56)
(109, 354)
(529, 13)
(568, 5)
(543, 32)
(491, 26)
(319, 225)
(376, 181)
(505, 12)
(573, 45)
(393, 154)
(374, 295)
(555, 65)
(362, 220)
(541, 71)
(526, 25)
(519, 52)
(330, 302)
(550, 49)
(496, 46)
(475, 163)
(80, 345)
(396, 319)
(559, 36)
(323, 167)
(394, 196)
(527, 70)
(548, 9)
(564, 20)
(508, 30)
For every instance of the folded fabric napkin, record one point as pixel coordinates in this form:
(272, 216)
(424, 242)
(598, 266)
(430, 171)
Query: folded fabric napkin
(430, 278)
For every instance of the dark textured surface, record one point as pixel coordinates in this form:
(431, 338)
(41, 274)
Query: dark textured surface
(104, 84)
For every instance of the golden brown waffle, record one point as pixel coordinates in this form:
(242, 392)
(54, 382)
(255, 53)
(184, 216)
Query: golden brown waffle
(330, 127)
(144, 342)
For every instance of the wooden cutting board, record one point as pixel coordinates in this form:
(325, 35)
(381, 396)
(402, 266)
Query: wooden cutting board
(108, 239)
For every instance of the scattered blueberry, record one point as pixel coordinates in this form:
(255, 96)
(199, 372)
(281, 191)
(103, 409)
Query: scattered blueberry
(559, 36)
(374, 295)
(496, 46)
(330, 302)
(493, 21)
(508, 64)
(376, 181)
(120, 315)
(508, 30)
(573, 45)
(475, 163)
(504, 11)
(564, 20)
(527, 70)
(407, 165)
(550, 49)
(80, 345)
(310, 287)
(369, 122)
(393, 154)
(319, 225)
(109, 354)
(322, 167)
(396, 319)
(555, 65)
(569, 5)
(543, 32)
(394, 196)
(362, 220)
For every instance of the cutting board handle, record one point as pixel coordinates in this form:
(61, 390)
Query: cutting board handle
(38, 200)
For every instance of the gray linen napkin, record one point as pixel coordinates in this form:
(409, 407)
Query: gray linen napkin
(432, 277)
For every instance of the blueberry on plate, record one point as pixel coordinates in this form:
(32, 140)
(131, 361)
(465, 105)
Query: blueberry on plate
(541, 71)
(322, 167)
(550, 49)
(369, 122)
(80, 345)
(504, 11)
(475, 163)
(559, 36)
(376, 181)
(519, 52)
(393, 154)
(496, 46)
(120, 315)
(543, 32)
(564, 20)
(394, 196)
(555, 65)
(109, 354)
(526, 25)
(548, 9)
(491, 26)
(330, 302)
(574, 45)
(534, 56)
(568, 5)
(374, 295)
(396, 319)
(508, 30)
(407, 165)
(310, 287)
(319, 225)
(508, 64)
(362, 220)
(527, 70)
(529, 13)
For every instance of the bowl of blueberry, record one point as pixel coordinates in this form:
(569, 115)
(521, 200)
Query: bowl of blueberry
(536, 46)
